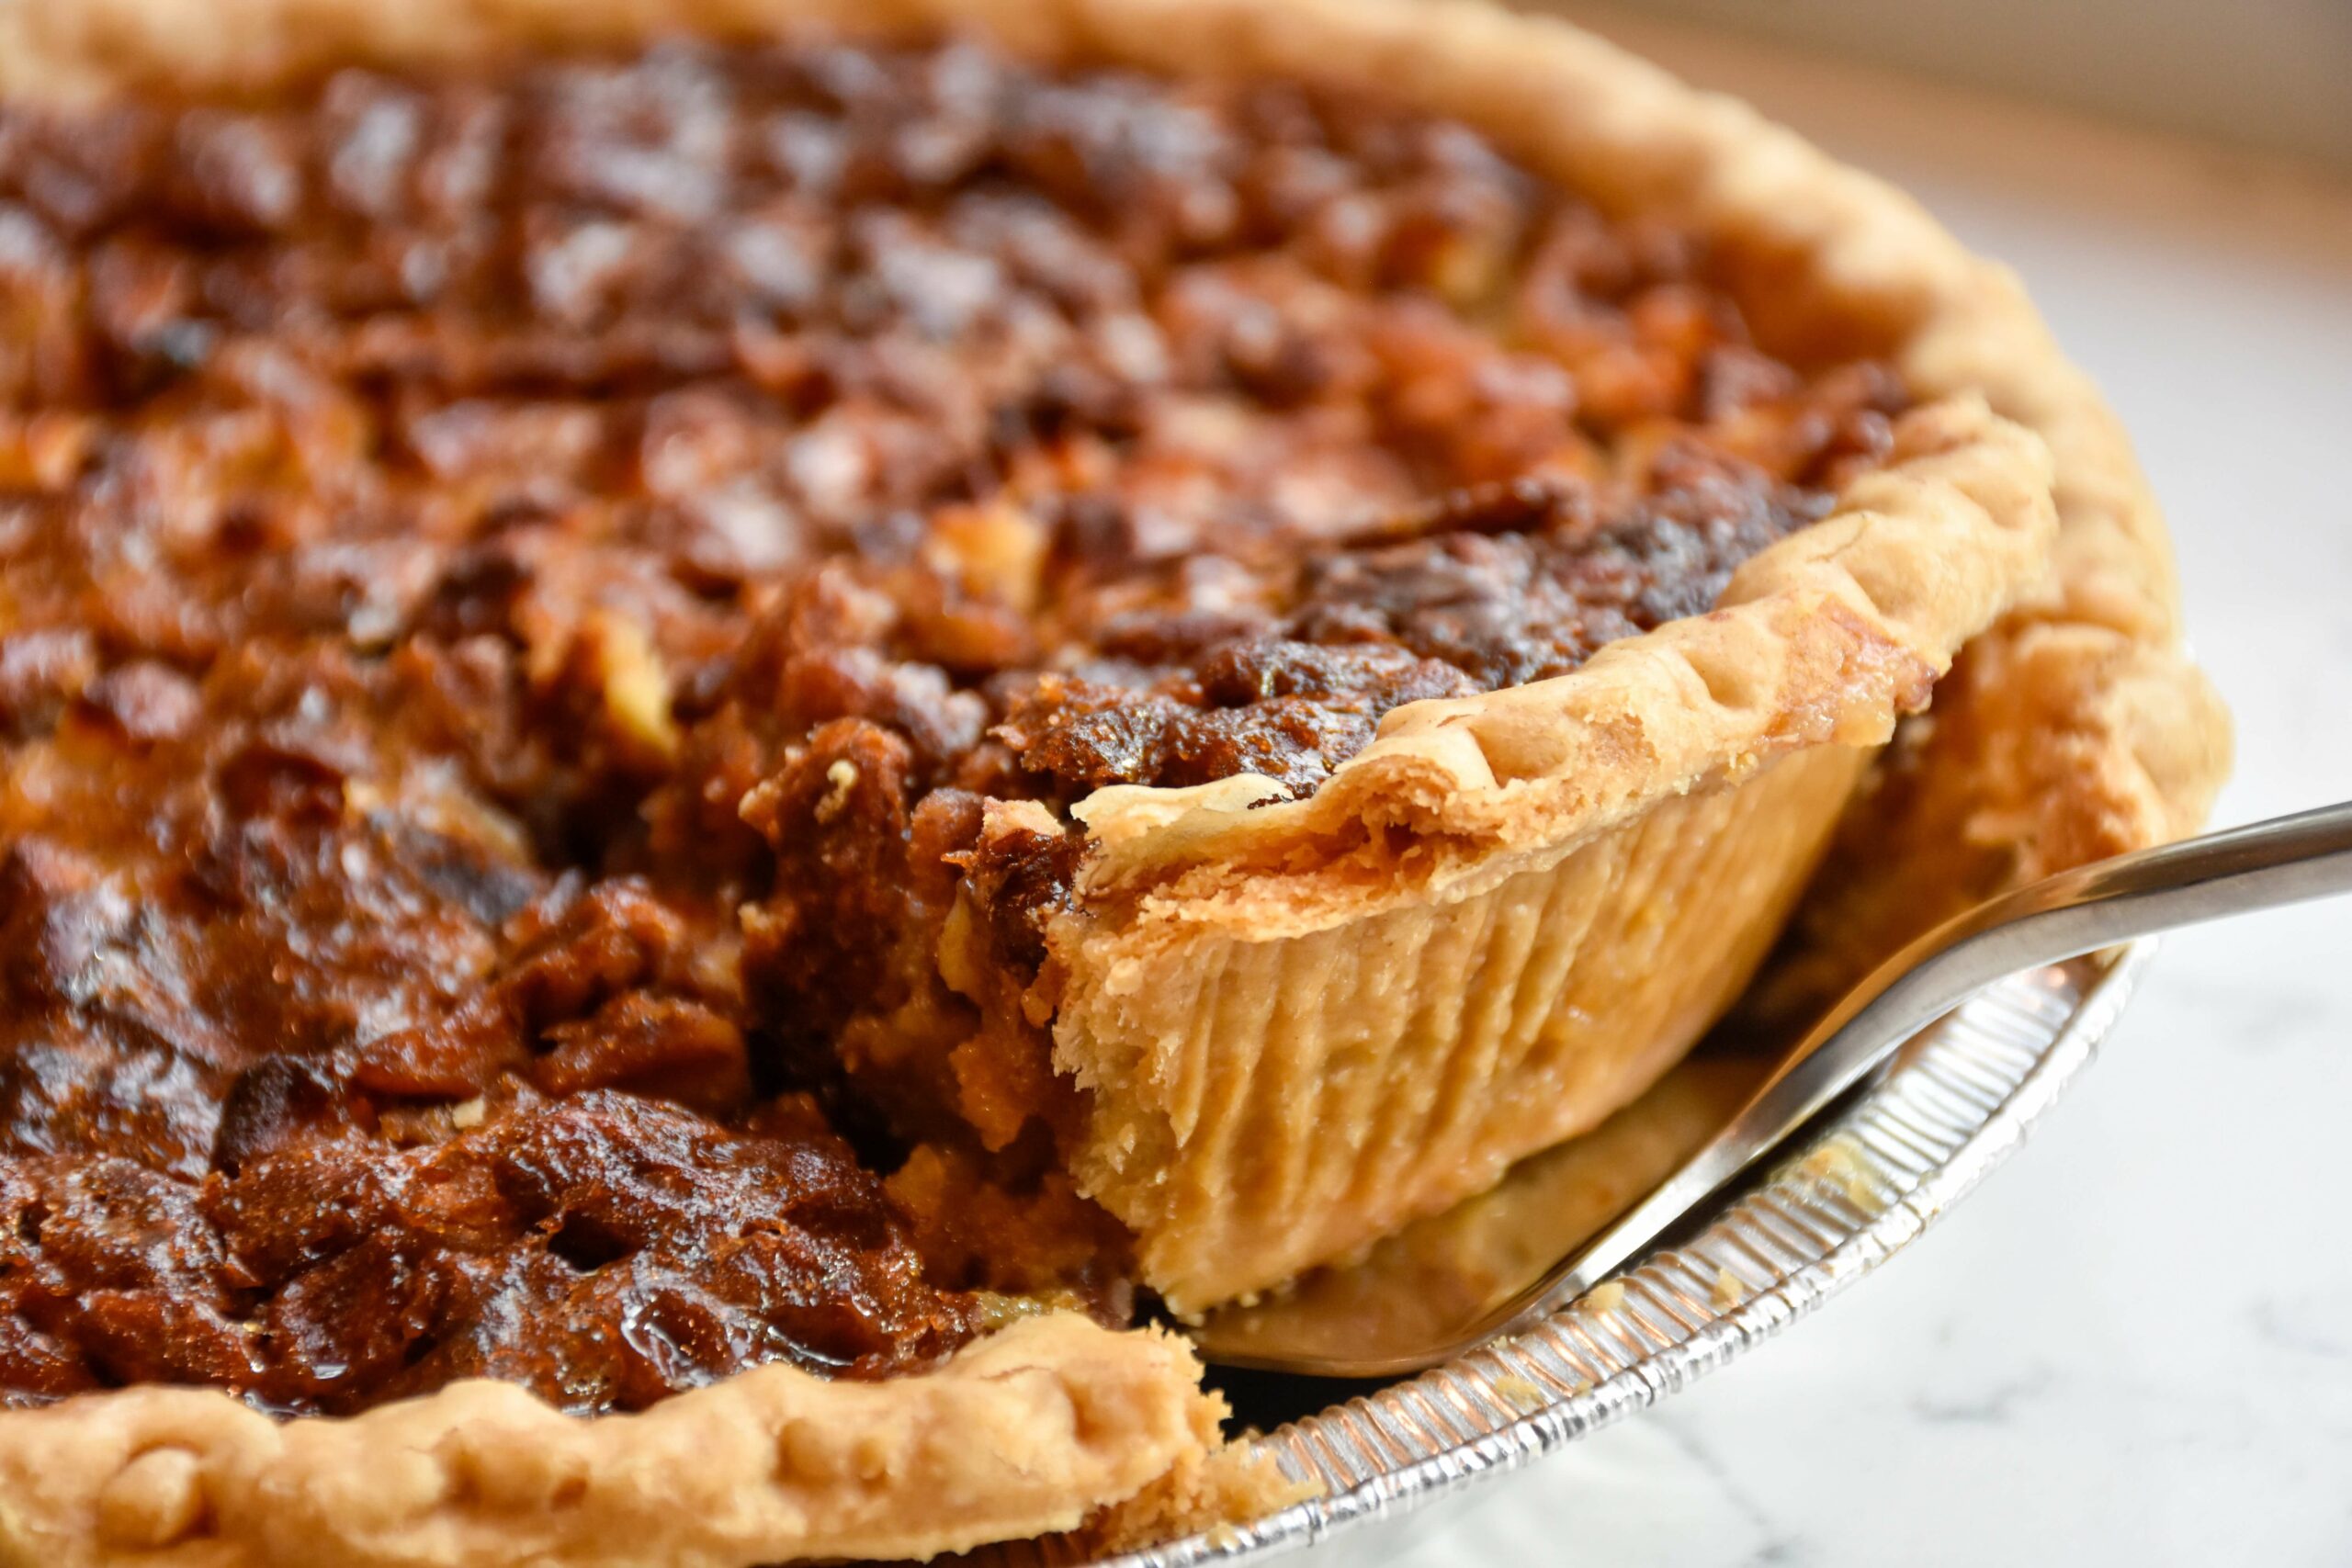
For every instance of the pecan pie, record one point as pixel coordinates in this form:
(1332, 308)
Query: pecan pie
(713, 742)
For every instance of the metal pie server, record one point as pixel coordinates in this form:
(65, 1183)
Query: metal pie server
(2285, 861)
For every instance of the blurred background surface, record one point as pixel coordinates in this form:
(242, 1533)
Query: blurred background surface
(2274, 75)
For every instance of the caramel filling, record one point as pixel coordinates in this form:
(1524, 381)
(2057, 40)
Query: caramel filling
(515, 590)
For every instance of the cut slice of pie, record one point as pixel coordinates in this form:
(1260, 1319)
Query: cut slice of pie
(720, 729)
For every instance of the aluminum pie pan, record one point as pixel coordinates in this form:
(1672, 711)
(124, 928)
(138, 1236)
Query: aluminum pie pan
(1882, 1170)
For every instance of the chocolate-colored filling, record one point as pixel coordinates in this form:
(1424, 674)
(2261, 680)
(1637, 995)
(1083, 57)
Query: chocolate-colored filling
(515, 590)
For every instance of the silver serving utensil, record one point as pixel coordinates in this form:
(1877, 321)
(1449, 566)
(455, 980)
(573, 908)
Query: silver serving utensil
(2263, 867)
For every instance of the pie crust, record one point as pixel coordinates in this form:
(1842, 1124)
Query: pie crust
(1294, 1017)
(1023, 1432)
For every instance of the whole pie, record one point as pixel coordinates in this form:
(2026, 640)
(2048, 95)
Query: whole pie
(726, 727)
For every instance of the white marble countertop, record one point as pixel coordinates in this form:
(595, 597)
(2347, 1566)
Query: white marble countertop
(2131, 1345)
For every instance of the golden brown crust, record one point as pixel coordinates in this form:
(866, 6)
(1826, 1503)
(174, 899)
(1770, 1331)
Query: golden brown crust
(1263, 1106)
(1027, 1432)
(1822, 639)
(2072, 728)
(1631, 804)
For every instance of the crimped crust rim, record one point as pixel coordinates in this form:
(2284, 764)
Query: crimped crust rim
(1027, 1432)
